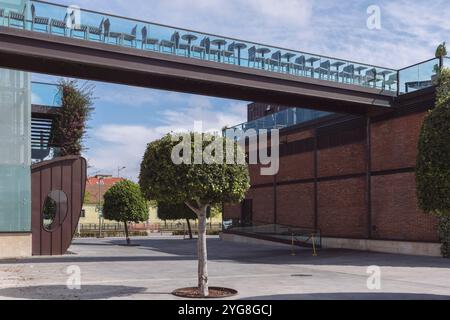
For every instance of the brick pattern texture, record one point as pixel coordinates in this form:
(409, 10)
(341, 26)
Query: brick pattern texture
(394, 210)
(342, 202)
(295, 205)
(342, 208)
(394, 142)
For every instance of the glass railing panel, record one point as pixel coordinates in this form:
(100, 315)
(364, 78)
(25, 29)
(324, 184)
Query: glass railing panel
(289, 234)
(45, 94)
(447, 62)
(418, 77)
(114, 30)
(281, 120)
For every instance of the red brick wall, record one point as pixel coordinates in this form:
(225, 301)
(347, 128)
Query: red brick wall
(395, 212)
(263, 204)
(298, 136)
(342, 208)
(232, 211)
(295, 205)
(296, 167)
(394, 142)
(342, 204)
(342, 160)
(256, 178)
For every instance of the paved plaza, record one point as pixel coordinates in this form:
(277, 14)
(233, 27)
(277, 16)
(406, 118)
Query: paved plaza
(161, 264)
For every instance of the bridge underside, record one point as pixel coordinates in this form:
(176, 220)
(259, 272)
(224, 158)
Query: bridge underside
(60, 56)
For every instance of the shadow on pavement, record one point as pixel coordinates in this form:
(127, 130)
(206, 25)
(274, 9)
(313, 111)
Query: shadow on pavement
(154, 250)
(276, 255)
(87, 292)
(352, 296)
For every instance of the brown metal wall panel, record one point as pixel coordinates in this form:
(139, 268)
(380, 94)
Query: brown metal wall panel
(36, 225)
(56, 233)
(67, 174)
(66, 227)
(46, 186)
(78, 192)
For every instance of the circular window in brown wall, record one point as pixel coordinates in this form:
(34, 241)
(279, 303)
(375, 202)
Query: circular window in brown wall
(55, 210)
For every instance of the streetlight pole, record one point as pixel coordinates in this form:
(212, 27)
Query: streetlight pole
(100, 182)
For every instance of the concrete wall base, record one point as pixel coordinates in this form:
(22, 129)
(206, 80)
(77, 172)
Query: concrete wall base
(395, 247)
(15, 245)
(229, 237)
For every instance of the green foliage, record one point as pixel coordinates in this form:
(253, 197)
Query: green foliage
(168, 211)
(433, 165)
(216, 210)
(441, 50)
(181, 211)
(124, 202)
(443, 89)
(194, 184)
(69, 126)
(444, 235)
(49, 211)
(433, 161)
(87, 197)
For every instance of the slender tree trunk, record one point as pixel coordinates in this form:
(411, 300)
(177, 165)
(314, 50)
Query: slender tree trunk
(189, 229)
(126, 233)
(202, 253)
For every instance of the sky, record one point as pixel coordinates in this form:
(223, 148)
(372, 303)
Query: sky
(127, 118)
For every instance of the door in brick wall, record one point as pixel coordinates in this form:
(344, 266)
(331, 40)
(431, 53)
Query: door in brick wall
(247, 212)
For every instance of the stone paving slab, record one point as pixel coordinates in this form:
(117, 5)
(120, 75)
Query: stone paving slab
(161, 264)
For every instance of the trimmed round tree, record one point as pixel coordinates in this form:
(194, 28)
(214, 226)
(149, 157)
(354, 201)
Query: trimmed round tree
(433, 161)
(124, 202)
(198, 181)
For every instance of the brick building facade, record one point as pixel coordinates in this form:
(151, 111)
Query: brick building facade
(349, 177)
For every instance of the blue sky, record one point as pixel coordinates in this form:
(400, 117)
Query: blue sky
(126, 118)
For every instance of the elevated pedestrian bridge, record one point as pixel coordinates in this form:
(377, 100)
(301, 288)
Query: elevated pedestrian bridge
(68, 41)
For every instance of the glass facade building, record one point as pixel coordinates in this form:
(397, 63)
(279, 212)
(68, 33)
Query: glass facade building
(15, 151)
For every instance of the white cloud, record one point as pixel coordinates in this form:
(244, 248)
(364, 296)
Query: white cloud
(124, 145)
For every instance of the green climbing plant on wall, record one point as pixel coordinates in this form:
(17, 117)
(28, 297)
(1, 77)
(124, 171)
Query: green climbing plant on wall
(69, 126)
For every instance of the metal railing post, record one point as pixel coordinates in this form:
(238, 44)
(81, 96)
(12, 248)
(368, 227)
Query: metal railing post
(293, 245)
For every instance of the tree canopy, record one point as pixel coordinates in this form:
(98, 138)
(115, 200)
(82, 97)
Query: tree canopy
(124, 202)
(169, 211)
(441, 50)
(433, 165)
(194, 184)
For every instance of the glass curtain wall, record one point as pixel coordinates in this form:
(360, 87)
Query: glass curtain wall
(15, 151)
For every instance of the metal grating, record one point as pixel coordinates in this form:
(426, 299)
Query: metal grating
(40, 133)
(40, 136)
